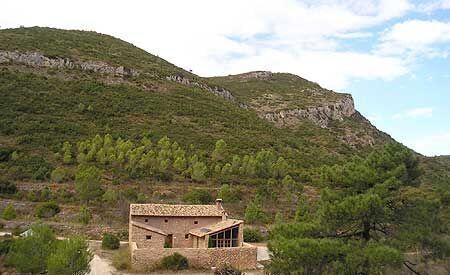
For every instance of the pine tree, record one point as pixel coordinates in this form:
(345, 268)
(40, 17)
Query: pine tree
(199, 171)
(370, 214)
(87, 183)
(67, 153)
(220, 151)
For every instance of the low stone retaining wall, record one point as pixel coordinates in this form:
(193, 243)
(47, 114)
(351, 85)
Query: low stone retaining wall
(204, 258)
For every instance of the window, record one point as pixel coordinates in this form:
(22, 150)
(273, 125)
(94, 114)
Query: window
(186, 236)
(148, 237)
(146, 220)
(166, 220)
(195, 222)
(225, 238)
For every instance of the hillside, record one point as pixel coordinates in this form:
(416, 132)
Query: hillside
(48, 73)
(68, 94)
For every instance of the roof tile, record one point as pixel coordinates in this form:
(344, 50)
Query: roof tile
(176, 210)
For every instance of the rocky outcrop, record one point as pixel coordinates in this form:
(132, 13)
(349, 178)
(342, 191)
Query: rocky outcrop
(262, 75)
(321, 115)
(36, 59)
(218, 91)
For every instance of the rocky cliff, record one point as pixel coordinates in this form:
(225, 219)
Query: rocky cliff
(36, 59)
(320, 115)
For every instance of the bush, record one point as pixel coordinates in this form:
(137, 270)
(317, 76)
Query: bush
(5, 245)
(252, 235)
(110, 241)
(230, 194)
(5, 153)
(176, 261)
(9, 213)
(85, 215)
(71, 256)
(47, 209)
(228, 270)
(121, 260)
(29, 254)
(58, 175)
(198, 196)
(7, 187)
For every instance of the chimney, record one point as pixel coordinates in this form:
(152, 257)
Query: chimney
(219, 204)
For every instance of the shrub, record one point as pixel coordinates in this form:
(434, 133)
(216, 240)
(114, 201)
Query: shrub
(29, 254)
(5, 153)
(252, 235)
(121, 260)
(198, 196)
(110, 241)
(9, 213)
(58, 175)
(5, 245)
(71, 256)
(228, 270)
(254, 212)
(7, 187)
(47, 209)
(230, 194)
(176, 261)
(84, 215)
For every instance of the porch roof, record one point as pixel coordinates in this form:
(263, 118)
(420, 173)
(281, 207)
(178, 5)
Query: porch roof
(213, 228)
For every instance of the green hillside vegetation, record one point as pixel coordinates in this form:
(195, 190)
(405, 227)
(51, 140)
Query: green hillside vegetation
(74, 141)
(280, 92)
(83, 45)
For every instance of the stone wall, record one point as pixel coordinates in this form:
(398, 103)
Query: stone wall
(177, 226)
(244, 257)
(139, 236)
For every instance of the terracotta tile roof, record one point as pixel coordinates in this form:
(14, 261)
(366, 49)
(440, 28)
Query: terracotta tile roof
(213, 228)
(175, 210)
(148, 227)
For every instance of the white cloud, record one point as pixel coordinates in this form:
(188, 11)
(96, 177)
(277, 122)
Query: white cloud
(432, 145)
(222, 37)
(433, 6)
(426, 112)
(414, 37)
(354, 35)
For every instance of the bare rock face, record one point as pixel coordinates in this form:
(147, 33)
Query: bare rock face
(321, 115)
(36, 59)
(263, 75)
(218, 91)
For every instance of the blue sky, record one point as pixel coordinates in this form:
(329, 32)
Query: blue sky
(391, 55)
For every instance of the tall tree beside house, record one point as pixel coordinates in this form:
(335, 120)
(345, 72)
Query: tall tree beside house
(254, 212)
(87, 183)
(374, 214)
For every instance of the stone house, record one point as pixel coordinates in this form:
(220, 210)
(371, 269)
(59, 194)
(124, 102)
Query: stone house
(202, 233)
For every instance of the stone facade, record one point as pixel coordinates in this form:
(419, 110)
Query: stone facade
(141, 236)
(178, 227)
(202, 233)
(203, 258)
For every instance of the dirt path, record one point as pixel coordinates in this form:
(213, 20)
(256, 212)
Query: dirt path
(101, 266)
